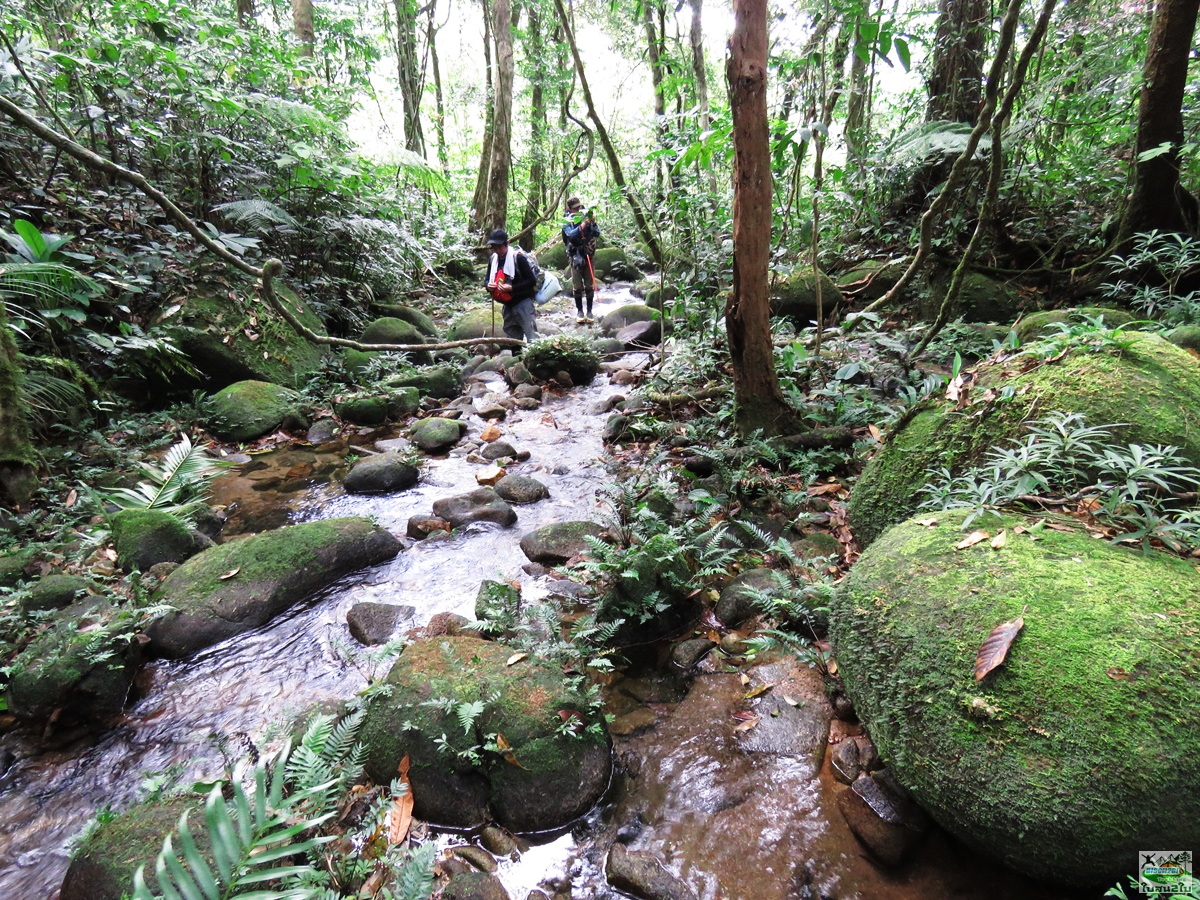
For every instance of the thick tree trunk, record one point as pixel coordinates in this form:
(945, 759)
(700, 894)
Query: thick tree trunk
(956, 82)
(18, 478)
(1158, 200)
(537, 137)
(479, 201)
(759, 401)
(302, 25)
(409, 74)
(496, 209)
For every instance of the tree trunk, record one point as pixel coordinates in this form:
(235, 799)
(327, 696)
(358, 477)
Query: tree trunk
(440, 123)
(1158, 200)
(479, 201)
(496, 209)
(537, 137)
(856, 112)
(408, 74)
(654, 56)
(956, 82)
(700, 77)
(245, 12)
(759, 401)
(18, 478)
(302, 25)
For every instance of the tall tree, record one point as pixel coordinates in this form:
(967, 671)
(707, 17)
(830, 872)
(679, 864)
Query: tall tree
(654, 53)
(302, 25)
(759, 401)
(495, 210)
(431, 30)
(479, 200)
(409, 73)
(245, 12)
(537, 127)
(1158, 200)
(956, 81)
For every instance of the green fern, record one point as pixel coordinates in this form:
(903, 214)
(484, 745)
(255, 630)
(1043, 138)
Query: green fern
(185, 468)
(257, 215)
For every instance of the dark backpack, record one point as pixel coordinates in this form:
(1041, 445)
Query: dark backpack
(539, 277)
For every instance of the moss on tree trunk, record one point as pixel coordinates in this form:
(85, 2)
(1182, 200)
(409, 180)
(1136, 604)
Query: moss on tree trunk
(18, 460)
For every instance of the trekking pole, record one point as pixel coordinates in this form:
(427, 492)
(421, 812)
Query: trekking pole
(493, 317)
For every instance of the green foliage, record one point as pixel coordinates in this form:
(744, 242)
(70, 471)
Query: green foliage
(1159, 264)
(178, 481)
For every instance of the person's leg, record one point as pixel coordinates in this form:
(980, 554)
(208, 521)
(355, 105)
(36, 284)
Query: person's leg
(512, 322)
(525, 317)
(589, 285)
(577, 285)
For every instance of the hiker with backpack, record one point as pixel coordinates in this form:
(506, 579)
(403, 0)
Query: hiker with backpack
(579, 233)
(512, 283)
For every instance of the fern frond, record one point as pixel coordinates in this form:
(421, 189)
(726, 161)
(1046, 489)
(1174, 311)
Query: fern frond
(44, 284)
(414, 877)
(254, 214)
(184, 468)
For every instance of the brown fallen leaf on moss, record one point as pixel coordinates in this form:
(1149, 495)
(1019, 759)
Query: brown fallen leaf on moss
(994, 650)
(972, 539)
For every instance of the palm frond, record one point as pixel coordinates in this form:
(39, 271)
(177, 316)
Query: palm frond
(253, 214)
(43, 284)
(50, 398)
(185, 469)
(933, 140)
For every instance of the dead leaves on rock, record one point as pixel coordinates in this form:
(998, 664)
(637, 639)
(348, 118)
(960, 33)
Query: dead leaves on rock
(994, 650)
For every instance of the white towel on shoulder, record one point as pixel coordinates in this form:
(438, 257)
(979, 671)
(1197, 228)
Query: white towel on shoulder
(510, 267)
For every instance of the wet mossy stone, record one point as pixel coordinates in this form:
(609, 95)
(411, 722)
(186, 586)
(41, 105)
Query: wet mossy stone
(795, 297)
(147, 537)
(640, 335)
(103, 866)
(480, 505)
(435, 434)
(554, 544)
(374, 623)
(235, 338)
(554, 257)
(440, 382)
(1084, 746)
(80, 669)
(546, 780)
(627, 315)
(611, 264)
(249, 409)
(390, 330)
(1186, 337)
(12, 567)
(569, 353)
(521, 489)
(737, 605)
(477, 323)
(363, 409)
(1152, 389)
(1040, 324)
(981, 299)
(202, 517)
(232, 588)
(54, 592)
(414, 317)
(385, 473)
(883, 275)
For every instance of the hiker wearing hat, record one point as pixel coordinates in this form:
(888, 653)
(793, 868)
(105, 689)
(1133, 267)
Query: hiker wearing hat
(579, 234)
(512, 284)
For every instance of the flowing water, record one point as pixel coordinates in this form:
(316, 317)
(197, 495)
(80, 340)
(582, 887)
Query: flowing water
(733, 823)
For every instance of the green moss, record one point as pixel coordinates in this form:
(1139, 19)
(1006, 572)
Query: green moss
(1185, 336)
(250, 409)
(1152, 390)
(392, 330)
(145, 537)
(1039, 324)
(485, 320)
(1085, 744)
(573, 354)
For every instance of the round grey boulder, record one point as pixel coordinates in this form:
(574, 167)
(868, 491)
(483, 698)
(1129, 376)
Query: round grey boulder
(558, 542)
(521, 489)
(382, 474)
(435, 434)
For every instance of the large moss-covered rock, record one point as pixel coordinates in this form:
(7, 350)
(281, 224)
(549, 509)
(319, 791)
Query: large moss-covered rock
(392, 330)
(229, 336)
(79, 669)
(147, 537)
(980, 299)
(414, 317)
(872, 278)
(103, 866)
(376, 407)
(795, 297)
(1152, 389)
(1185, 336)
(439, 382)
(611, 264)
(1041, 323)
(570, 353)
(234, 587)
(627, 315)
(541, 778)
(250, 409)
(1084, 746)
(554, 256)
(436, 434)
(481, 321)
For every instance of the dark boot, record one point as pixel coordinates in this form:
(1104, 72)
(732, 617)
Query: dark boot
(579, 317)
(590, 297)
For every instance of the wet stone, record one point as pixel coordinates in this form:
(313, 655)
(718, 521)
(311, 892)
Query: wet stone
(477, 857)
(526, 403)
(374, 623)
(421, 527)
(606, 405)
(737, 599)
(687, 654)
(382, 474)
(558, 542)
(497, 450)
(521, 489)
(528, 391)
(888, 842)
(845, 761)
(475, 886)
(800, 731)
(489, 408)
(497, 841)
(482, 505)
(631, 723)
(868, 756)
(436, 434)
(642, 875)
(323, 430)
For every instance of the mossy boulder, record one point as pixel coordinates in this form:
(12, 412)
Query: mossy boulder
(569, 353)
(611, 264)
(391, 330)
(980, 299)
(1084, 746)
(627, 315)
(229, 336)
(1041, 323)
(439, 382)
(383, 473)
(79, 669)
(55, 591)
(103, 866)
(558, 542)
(376, 407)
(249, 409)
(419, 320)
(435, 434)
(795, 297)
(1151, 388)
(477, 323)
(1185, 336)
(147, 537)
(545, 776)
(872, 278)
(234, 587)
(554, 256)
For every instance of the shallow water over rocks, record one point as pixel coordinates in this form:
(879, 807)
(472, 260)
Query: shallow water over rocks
(735, 813)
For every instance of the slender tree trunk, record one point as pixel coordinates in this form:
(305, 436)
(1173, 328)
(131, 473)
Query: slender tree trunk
(700, 77)
(537, 137)
(654, 56)
(408, 74)
(1158, 200)
(302, 25)
(856, 111)
(759, 401)
(431, 31)
(245, 12)
(479, 201)
(956, 82)
(610, 152)
(496, 208)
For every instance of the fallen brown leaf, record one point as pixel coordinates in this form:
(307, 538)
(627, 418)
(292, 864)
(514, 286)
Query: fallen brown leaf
(757, 691)
(229, 574)
(746, 725)
(1117, 674)
(927, 522)
(994, 649)
(515, 658)
(999, 540)
(506, 751)
(972, 539)
(400, 815)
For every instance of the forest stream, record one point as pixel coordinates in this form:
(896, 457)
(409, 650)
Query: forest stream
(736, 814)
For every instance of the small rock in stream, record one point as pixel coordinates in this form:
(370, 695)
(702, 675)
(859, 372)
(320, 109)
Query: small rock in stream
(476, 856)
(521, 489)
(844, 760)
(497, 841)
(482, 505)
(375, 623)
(888, 825)
(687, 654)
(497, 449)
(643, 876)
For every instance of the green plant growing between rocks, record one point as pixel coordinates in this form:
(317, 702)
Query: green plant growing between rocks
(180, 479)
(1173, 257)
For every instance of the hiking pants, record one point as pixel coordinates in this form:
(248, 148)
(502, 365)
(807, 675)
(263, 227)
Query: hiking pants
(519, 320)
(583, 283)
